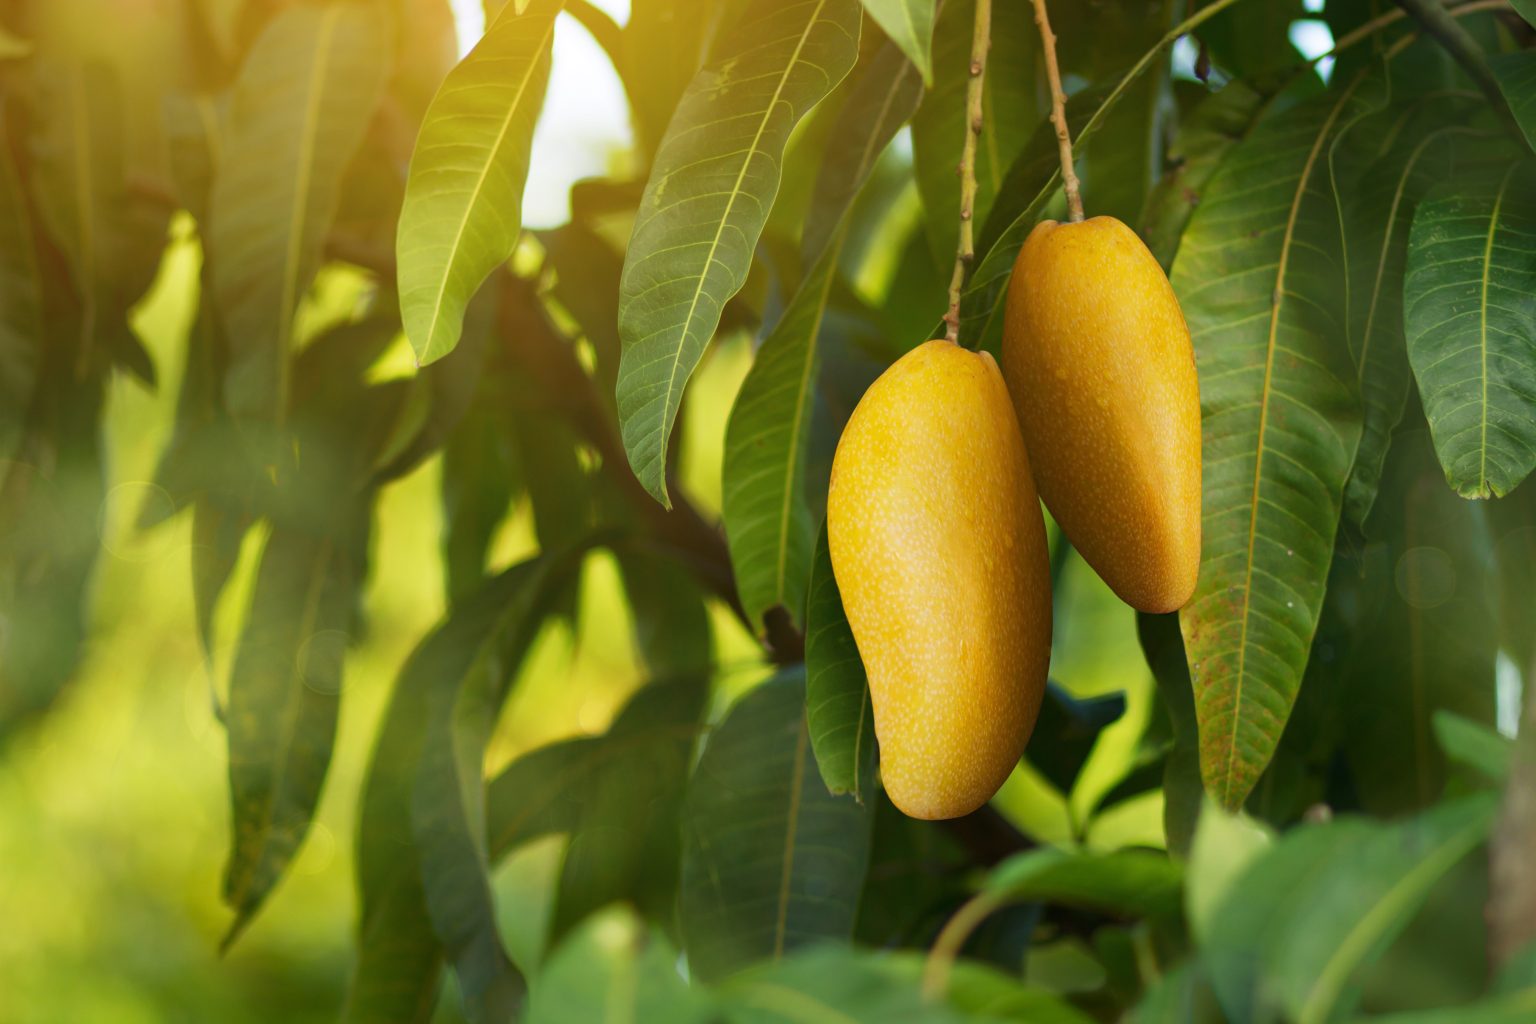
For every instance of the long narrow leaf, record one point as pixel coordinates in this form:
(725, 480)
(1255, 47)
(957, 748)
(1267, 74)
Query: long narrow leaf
(713, 184)
(464, 198)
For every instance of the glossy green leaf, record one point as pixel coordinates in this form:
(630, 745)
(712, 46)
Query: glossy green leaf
(768, 520)
(463, 200)
(771, 860)
(837, 704)
(708, 197)
(1472, 332)
(1009, 113)
(615, 968)
(1260, 279)
(909, 23)
(1206, 134)
(1302, 921)
(284, 696)
(1378, 209)
(21, 302)
(1139, 883)
(301, 105)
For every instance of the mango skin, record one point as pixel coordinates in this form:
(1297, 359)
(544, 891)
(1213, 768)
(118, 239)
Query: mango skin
(1102, 371)
(938, 546)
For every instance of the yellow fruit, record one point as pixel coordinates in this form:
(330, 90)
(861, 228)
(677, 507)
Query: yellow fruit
(938, 546)
(1102, 372)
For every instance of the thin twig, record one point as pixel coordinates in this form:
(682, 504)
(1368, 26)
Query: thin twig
(1458, 42)
(965, 252)
(1069, 183)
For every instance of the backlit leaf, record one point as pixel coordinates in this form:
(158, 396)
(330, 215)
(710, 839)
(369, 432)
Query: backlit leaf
(909, 23)
(708, 197)
(464, 197)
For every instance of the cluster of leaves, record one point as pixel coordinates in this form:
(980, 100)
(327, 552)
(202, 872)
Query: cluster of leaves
(1355, 258)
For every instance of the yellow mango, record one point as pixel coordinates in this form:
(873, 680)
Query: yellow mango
(1102, 371)
(938, 546)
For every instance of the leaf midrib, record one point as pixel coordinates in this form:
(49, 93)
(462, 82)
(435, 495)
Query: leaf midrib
(796, 787)
(479, 187)
(714, 245)
(1276, 303)
(1493, 226)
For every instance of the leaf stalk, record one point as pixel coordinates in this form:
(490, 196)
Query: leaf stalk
(965, 253)
(1069, 182)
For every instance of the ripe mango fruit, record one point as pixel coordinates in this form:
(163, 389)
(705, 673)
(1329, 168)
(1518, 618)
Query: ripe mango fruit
(1102, 372)
(938, 547)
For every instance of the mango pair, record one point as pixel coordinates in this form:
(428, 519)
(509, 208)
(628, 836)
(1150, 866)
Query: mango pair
(938, 543)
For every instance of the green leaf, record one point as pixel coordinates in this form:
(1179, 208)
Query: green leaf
(672, 629)
(1205, 136)
(1163, 647)
(984, 993)
(1378, 209)
(1137, 883)
(1473, 744)
(909, 23)
(463, 200)
(1516, 75)
(1009, 113)
(1259, 278)
(284, 695)
(614, 968)
(301, 105)
(1471, 332)
(768, 520)
(422, 868)
(846, 986)
(837, 704)
(771, 860)
(708, 197)
(1066, 731)
(1302, 921)
(1501, 1009)
(1224, 844)
(663, 46)
(1526, 9)
(1428, 640)
(21, 302)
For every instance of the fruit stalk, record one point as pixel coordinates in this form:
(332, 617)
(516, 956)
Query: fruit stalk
(965, 252)
(1069, 181)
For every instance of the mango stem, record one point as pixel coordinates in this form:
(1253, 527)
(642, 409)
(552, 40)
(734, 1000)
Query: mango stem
(1069, 182)
(965, 253)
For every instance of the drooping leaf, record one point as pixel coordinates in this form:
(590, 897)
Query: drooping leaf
(1301, 922)
(768, 520)
(909, 23)
(1516, 75)
(708, 197)
(463, 200)
(21, 302)
(672, 629)
(1163, 648)
(1472, 327)
(614, 968)
(1378, 209)
(837, 703)
(664, 44)
(1141, 883)
(284, 695)
(405, 930)
(1430, 641)
(1009, 115)
(480, 478)
(771, 860)
(301, 104)
(1259, 277)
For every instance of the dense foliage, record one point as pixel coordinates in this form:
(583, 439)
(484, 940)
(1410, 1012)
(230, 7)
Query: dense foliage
(1348, 828)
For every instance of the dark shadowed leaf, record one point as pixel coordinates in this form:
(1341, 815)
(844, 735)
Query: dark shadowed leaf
(1473, 745)
(1163, 647)
(768, 518)
(672, 629)
(21, 301)
(837, 704)
(708, 197)
(464, 197)
(1260, 278)
(1516, 75)
(1471, 327)
(301, 104)
(771, 860)
(1302, 920)
(1066, 731)
(664, 45)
